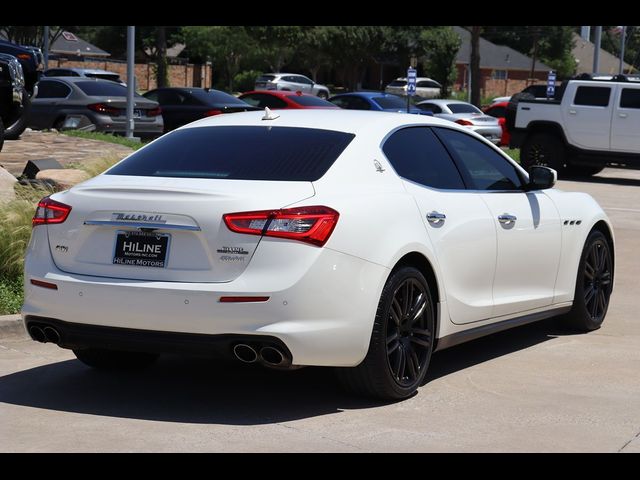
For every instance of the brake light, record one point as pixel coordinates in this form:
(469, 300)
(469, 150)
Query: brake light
(212, 112)
(312, 225)
(23, 56)
(464, 122)
(154, 112)
(104, 108)
(49, 211)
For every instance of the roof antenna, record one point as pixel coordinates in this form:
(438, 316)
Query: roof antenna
(269, 115)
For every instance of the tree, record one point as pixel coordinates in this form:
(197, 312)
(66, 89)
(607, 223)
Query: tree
(441, 45)
(226, 46)
(276, 45)
(475, 65)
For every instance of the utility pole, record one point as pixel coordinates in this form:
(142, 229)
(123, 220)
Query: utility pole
(596, 51)
(45, 47)
(131, 32)
(622, 42)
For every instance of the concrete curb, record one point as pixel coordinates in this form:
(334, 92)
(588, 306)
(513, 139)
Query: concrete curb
(11, 325)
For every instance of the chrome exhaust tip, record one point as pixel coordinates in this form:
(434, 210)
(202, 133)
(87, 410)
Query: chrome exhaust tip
(272, 356)
(245, 353)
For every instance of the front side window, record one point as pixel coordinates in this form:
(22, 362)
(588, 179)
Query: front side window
(417, 155)
(484, 168)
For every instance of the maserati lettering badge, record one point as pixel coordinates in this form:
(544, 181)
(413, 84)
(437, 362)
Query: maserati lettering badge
(233, 250)
(137, 217)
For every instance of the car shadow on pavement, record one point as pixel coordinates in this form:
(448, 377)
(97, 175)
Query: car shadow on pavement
(196, 390)
(628, 182)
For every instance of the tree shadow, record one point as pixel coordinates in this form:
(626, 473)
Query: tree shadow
(196, 390)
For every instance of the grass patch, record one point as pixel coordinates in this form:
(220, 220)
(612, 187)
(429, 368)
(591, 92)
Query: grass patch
(104, 137)
(96, 167)
(11, 295)
(513, 153)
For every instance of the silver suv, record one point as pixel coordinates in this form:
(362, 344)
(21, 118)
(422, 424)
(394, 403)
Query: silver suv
(291, 82)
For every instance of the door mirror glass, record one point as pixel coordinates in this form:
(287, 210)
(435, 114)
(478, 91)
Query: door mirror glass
(541, 178)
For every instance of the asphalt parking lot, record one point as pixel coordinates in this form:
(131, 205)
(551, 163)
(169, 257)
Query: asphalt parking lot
(536, 388)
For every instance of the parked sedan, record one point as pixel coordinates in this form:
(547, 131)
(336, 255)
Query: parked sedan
(291, 82)
(78, 102)
(425, 87)
(465, 114)
(185, 105)
(356, 240)
(83, 72)
(499, 110)
(376, 101)
(278, 99)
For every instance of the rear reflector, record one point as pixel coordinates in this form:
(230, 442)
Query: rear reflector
(243, 299)
(40, 283)
(462, 121)
(312, 225)
(49, 211)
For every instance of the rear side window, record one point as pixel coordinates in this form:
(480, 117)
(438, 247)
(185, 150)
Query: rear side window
(398, 83)
(592, 96)
(630, 98)
(239, 153)
(51, 89)
(266, 78)
(417, 155)
(310, 101)
(390, 102)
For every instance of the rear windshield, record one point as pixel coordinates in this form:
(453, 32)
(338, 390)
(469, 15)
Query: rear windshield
(103, 89)
(114, 77)
(311, 101)
(265, 78)
(398, 83)
(239, 153)
(463, 108)
(390, 102)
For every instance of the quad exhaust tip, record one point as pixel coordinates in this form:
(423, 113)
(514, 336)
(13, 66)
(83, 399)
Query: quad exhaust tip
(272, 356)
(37, 334)
(52, 335)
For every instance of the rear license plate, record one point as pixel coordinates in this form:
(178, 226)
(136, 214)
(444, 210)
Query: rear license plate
(137, 114)
(141, 249)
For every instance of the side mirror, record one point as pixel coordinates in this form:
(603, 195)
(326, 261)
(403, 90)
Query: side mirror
(541, 178)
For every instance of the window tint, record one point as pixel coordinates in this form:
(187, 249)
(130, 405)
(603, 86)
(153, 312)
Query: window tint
(51, 89)
(214, 96)
(301, 79)
(151, 96)
(351, 103)
(262, 100)
(170, 97)
(630, 98)
(103, 89)
(239, 153)
(310, 101)
(498, 112)
(486, 169)
(427, 84)
(593, 96)
(463, 108)
(417, 155)
(398, 83)
(390, 102)
(114, 77)
(429, 107)
(265, 78)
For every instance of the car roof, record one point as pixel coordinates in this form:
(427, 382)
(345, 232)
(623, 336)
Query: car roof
(78, 79)
(283, 73)
(498, 104)
(352, 121)
(83, 70)
(279, 93)
(366, 94)
(417, 79)
(443, 101)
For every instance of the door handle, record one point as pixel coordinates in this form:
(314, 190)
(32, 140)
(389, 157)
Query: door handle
(572, 112)
(622, 115)
(507, 219)
(436, 217)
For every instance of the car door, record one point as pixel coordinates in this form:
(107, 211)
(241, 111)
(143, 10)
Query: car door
(306, 84)
(171, 103)
(457, 223)
(588, 117)
(46, 105)
(527, 225)
(625, 125)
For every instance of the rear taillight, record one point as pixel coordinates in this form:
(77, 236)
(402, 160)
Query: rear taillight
(23, 56)
(464, 122)
(154, 112)
(212, 112)
(50, 211)
(306, 224)
(104, 108)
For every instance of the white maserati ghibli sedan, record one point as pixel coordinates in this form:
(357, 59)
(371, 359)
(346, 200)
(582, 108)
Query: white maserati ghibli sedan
(358, 240)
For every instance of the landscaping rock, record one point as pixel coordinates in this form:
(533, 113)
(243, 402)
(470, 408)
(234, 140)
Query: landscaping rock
(7, 181)
(65, 177)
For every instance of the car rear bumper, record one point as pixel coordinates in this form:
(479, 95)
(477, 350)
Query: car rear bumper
(323, 315)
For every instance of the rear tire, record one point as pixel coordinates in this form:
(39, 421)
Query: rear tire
(323, 95)
(1, 134)
(401, 342)
(543, 149)
(594, 284)
(114, 359)
(18, 125)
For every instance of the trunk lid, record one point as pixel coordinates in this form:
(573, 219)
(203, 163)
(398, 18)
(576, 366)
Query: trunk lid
(130, 219)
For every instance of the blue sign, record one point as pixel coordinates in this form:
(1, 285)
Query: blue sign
(551, 84)
(411, 81)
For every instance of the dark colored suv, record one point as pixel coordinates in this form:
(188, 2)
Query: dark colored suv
(14, 100)
(29, 57)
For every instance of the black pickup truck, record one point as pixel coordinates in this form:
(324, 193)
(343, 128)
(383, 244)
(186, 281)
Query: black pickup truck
(29, 57)
(14, 99)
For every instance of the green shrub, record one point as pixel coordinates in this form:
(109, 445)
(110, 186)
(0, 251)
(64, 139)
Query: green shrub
(11, 295)
(245, 81)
